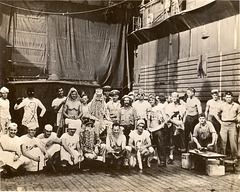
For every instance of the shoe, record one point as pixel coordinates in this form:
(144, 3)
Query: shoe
(148, 163)
(125, 162)
(170, 161)
(162, 164)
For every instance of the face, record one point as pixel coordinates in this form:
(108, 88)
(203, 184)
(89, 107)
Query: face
(228, 98)
(151, 101)
(140, 128)
(115, 97)
(89, 126)
(71, 131)
(12, 132)
(175, 98)
(60, 92)
(190, 93)
(126, 101)
(141, 96)
(85, 99)
(202, 120)
(4, 95)
(116, 130)
(74, 95)
(215, 96)
(47, 133)
(31, 132)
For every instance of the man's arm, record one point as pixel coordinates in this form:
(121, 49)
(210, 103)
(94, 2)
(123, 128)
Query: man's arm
(207, 110)
(43, 109)
(199, 107)
(197, 143)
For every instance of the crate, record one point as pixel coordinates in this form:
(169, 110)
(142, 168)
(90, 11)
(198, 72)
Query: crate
(215, 170)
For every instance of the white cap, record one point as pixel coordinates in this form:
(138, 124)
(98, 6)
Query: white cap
(140, 121)
(4, 90)
(13, 125)
(48, 127)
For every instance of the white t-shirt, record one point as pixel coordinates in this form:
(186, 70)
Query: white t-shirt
(71, 141)
(44, 140)
(9, 143)
(142, 139)
(4, 109)
(30, 111)
(213, 106)
(141, 108)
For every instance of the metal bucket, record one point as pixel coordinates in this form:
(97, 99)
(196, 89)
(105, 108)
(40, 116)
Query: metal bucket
(186, 161)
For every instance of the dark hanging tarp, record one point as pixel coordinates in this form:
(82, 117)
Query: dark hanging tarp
(185, 20)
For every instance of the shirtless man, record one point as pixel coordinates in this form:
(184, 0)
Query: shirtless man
(5, 117)
(73, 110)
(57, 105)
(193, 109)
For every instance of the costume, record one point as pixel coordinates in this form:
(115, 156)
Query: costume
(34, 150)
(30, 106)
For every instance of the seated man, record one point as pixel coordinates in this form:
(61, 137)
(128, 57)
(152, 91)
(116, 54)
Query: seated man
(91, 142)
(32, 149)
(115, 145)
(51, 143)
(204, 135)
(10, 152)
(70, 152)
(140, 145)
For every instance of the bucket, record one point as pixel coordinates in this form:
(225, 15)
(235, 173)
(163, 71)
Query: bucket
(215, 170)
(186, 161)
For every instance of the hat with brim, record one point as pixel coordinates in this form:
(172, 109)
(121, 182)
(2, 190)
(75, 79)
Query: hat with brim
(114, 92)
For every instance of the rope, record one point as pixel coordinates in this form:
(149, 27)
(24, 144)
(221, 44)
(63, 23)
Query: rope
(66, 13)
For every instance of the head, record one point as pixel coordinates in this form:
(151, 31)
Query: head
(228, 97)
(175, 97)
(202, 118)
(115, 95)
(89, 123)
(60, 91)
(32, 131)
(141, 95)
(84, 99)
(30, 92)
(152, 99)
(48, 130)
(132, 95)
(190, 92)
(140, 126)
(74, 94)
(71, 129)
(126, 101)
(4, 92)
(106, 90)
(12, 130)
(215, 95)
(162, 98)
(116, 129)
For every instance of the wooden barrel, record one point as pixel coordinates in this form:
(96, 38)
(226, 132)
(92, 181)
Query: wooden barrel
(186, 162)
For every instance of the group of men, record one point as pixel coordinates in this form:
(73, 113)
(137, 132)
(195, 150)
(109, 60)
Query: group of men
(129, 131)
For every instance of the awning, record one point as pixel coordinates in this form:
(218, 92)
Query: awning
(186, 20)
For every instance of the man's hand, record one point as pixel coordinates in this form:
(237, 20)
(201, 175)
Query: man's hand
(49, 143)
(209, 145)
(199, 147)
(72, 158)
(15, 158)
(36, 159)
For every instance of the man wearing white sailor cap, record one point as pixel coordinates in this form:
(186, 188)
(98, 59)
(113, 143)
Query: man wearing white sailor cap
(5, 117)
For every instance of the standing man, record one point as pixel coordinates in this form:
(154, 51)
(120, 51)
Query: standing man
(141, 107)
(211, 109)
(193, 109)
(176, 113)
(229, 117)
(57, 105)
(127, 118)
(5, 117)
(30, 105)
(113, 106)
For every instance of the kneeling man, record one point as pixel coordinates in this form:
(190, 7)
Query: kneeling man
(204, 135)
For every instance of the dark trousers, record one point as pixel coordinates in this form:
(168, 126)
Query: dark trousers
(126, 131)
(176, 137)
(158, 138)
(190, 123)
